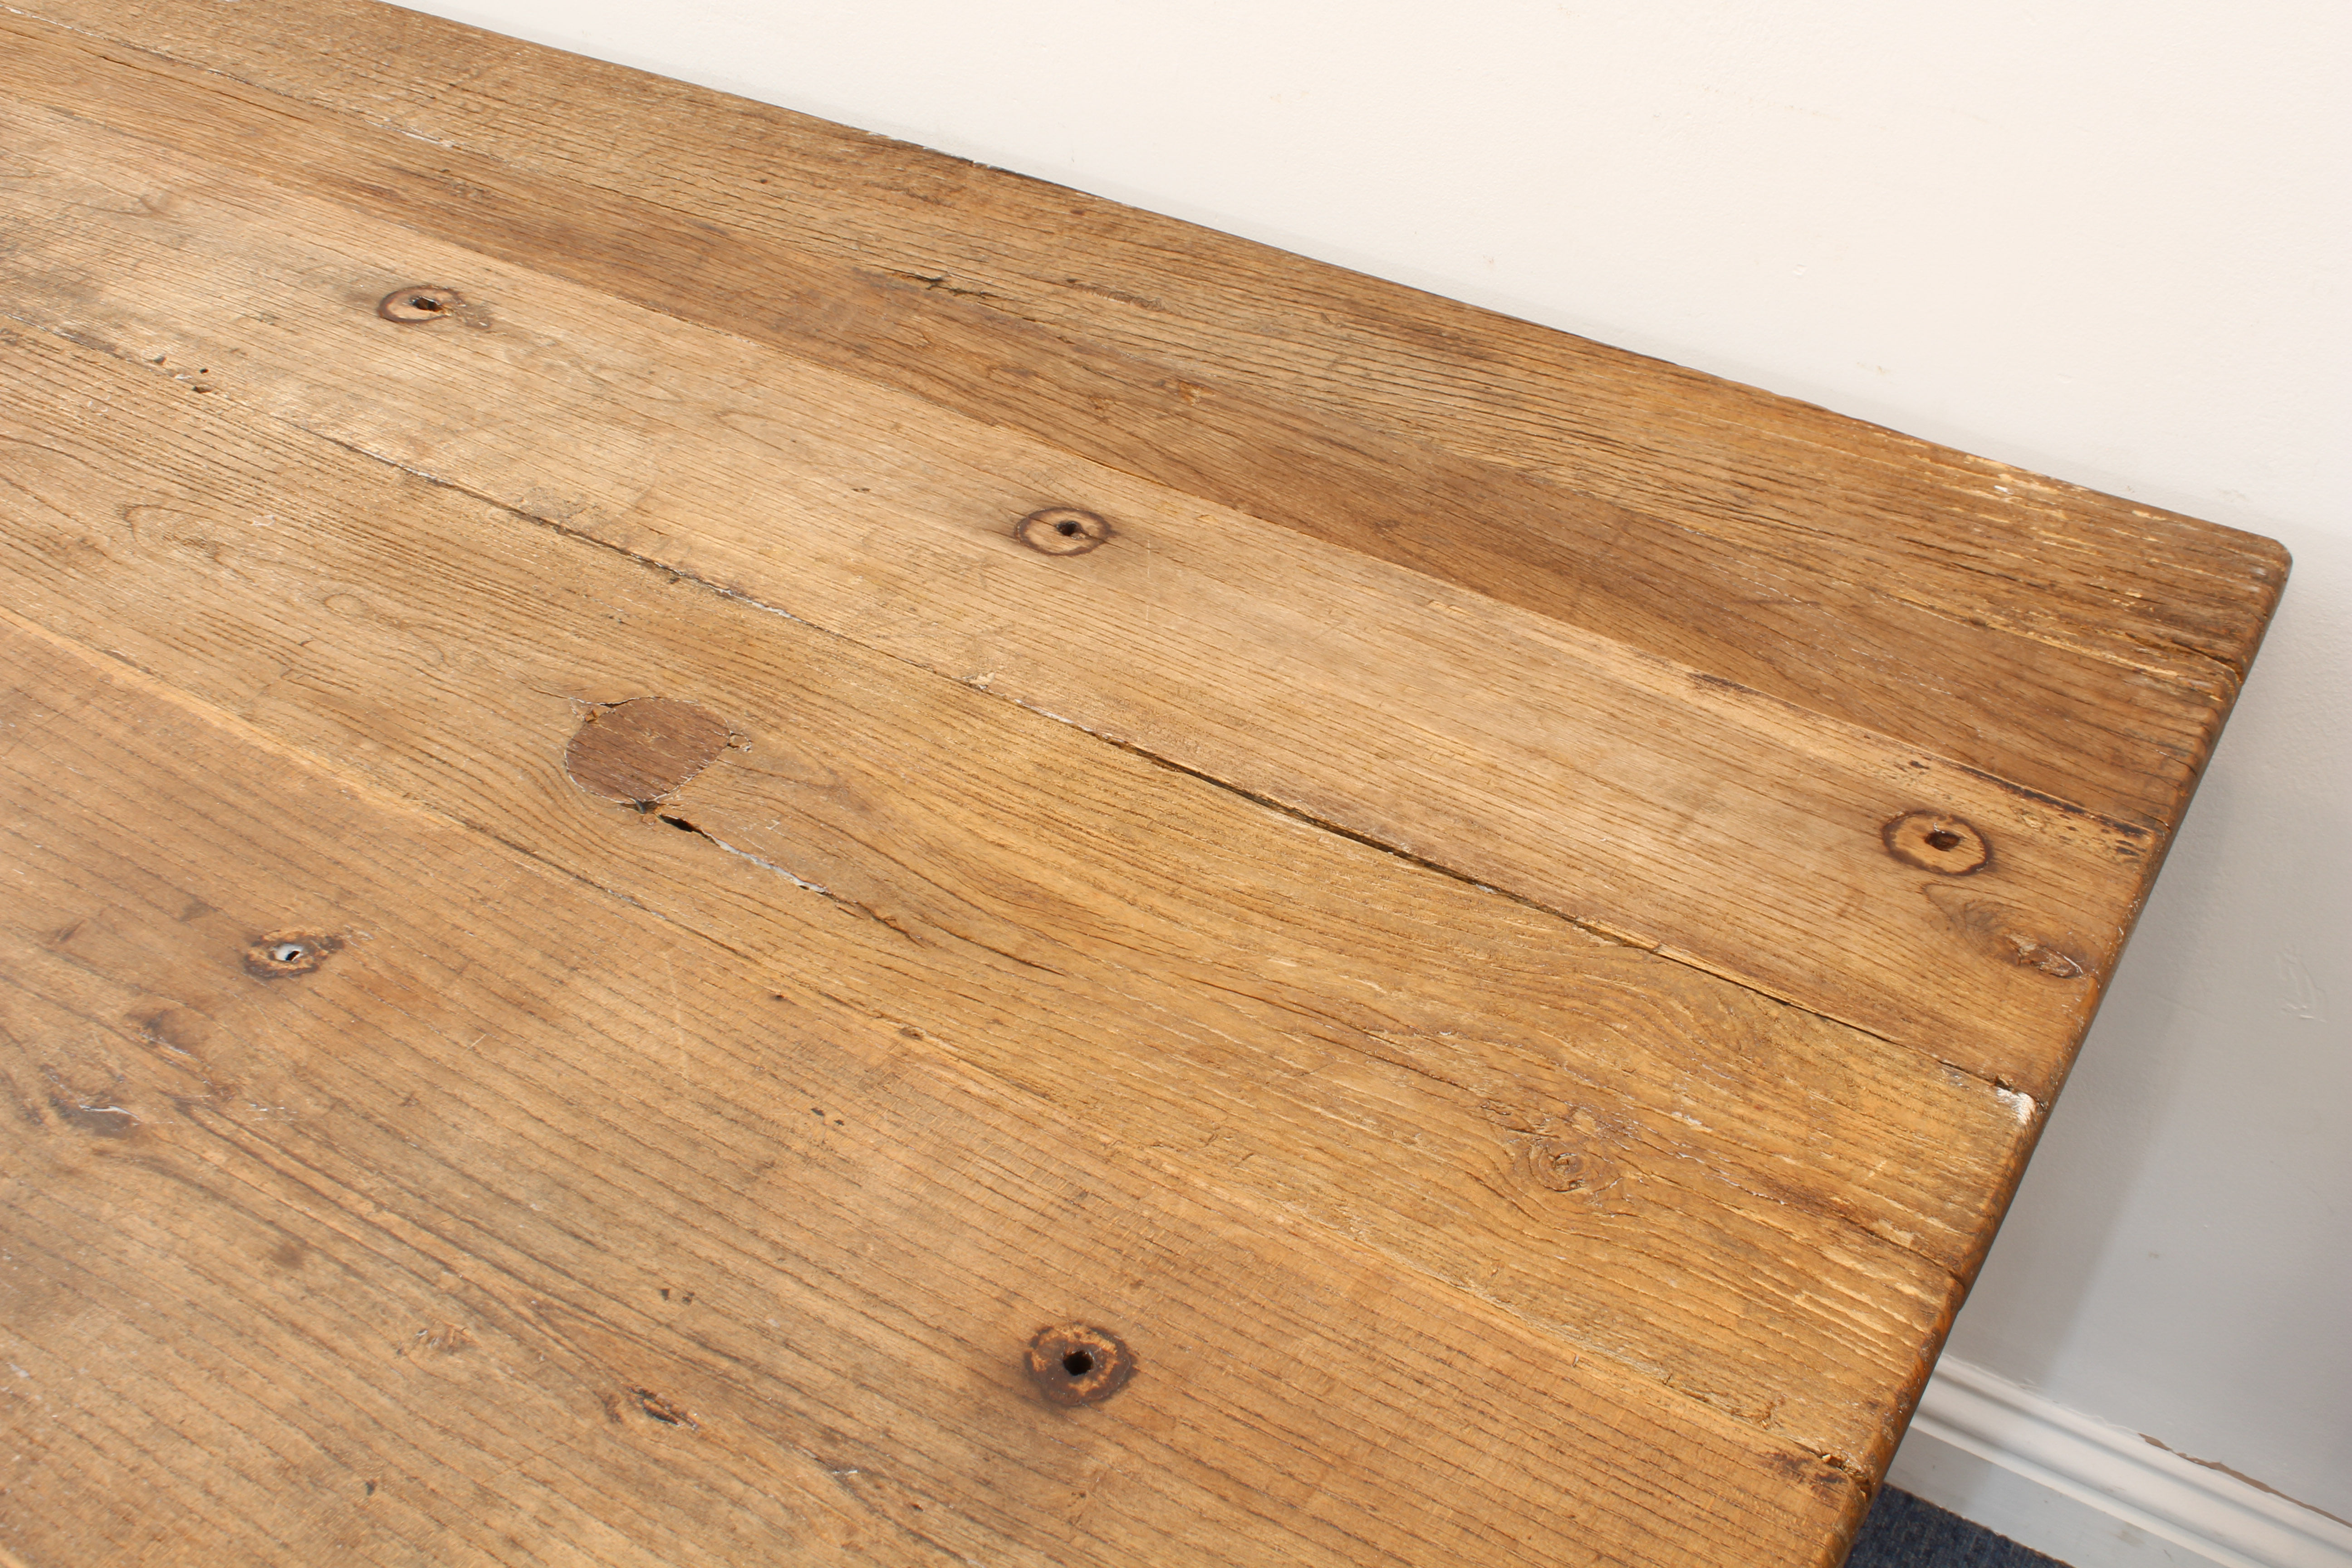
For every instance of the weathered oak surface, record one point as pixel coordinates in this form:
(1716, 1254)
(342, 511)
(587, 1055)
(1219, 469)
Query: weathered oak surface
(471, 1246)
(592, 946)
(1502, 744)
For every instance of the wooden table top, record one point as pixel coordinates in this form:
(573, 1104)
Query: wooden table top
(727, 843)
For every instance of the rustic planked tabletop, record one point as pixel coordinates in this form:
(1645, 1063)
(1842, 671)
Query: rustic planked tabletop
(727, 843)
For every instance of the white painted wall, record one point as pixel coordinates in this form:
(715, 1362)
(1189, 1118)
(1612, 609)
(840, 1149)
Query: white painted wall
(2106, 239)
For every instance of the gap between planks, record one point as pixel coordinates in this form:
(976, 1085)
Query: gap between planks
(1532, 833)
(372, 466)
(683, 574)
(151, 686)
(1969, 700)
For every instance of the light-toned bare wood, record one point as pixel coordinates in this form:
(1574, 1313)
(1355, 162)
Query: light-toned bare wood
(526, 1227)
(1666, 806)
(1768, 1212)
(578, 983)
(1820, 560)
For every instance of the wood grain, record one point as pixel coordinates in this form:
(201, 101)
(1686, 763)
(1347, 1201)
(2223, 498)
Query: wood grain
(1768, 1212)
(1594, 779)
(579, 982)
(1897, 585)
(534, 1229)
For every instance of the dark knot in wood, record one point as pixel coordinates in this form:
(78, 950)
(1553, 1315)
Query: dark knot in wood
(276, 954)
(1062, 530)
(1934, 842)
(420, 302)
(1075, 1363)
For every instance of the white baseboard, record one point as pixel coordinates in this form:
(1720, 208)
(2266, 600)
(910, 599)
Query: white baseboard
(2091, 1494)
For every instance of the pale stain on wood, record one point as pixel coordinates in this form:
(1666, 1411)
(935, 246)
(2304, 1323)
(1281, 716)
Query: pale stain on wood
(586, 987)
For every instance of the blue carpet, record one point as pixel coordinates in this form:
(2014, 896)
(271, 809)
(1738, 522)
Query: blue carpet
(1904, 1533)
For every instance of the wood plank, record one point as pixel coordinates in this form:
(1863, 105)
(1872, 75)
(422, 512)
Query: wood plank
(1770, 1213)
(1924, 595)
(505, 1233)
(1630, 794)
(457, 880)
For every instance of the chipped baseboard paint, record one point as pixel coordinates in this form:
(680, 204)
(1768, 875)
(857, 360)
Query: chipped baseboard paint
(2092, 1494)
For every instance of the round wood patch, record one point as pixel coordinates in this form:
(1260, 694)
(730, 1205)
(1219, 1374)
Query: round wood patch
(642, 751)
